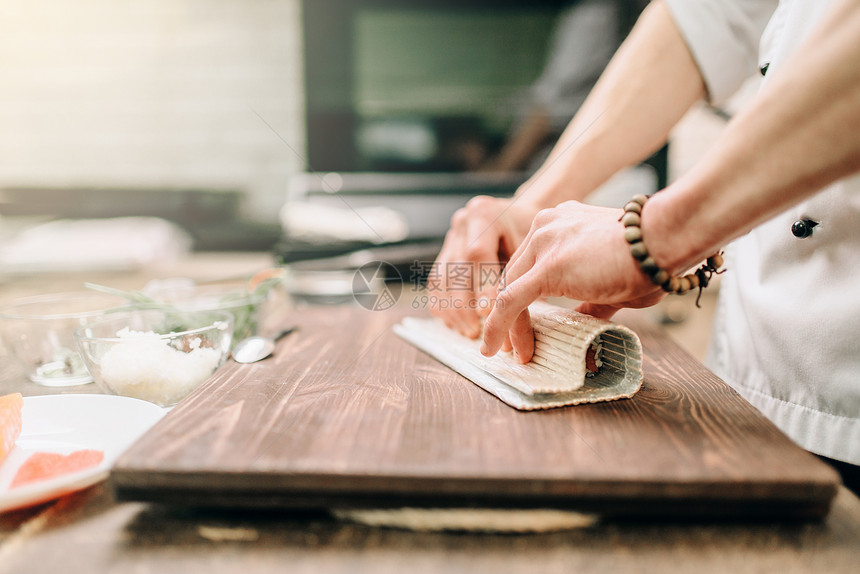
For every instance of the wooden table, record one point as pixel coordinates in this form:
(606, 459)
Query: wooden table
(91, 532)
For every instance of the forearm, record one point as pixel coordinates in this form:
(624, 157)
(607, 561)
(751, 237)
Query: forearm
(646, 89)
(799, 135)
(524, 143)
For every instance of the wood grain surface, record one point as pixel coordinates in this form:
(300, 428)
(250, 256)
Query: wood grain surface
(347, 414)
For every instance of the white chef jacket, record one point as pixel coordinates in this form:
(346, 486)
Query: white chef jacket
(786, 334)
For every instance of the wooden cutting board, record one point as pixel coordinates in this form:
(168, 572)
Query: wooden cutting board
(347, 414)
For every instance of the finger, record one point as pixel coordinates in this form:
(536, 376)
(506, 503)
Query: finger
(445, 305)
(460, 280)
(516, 268)
(488, 279)
(522, 337)
(513, 269)
(456, 308)
(434, 286)
(510, 303)
(466, 319)
(518, 252)
(442, 299)
(507, 347)
(454, 301)
(482, 250)
(597, 310)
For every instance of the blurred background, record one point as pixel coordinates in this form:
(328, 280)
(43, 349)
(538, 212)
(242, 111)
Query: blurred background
(210, 139)
(307, 129)
(136, 107)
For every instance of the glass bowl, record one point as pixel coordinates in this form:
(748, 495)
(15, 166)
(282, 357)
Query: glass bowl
(159, 356)
(38, 333)
(233, 297)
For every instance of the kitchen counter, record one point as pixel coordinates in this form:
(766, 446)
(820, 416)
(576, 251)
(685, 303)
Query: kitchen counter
(91, 532)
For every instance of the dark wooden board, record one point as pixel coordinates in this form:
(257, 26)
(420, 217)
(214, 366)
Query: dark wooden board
(348, 414)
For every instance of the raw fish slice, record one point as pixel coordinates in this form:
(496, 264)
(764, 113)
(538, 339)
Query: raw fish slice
(45, 465)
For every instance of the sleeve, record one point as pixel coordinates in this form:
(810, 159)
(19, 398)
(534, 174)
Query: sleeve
(723, 36)
(584, 41)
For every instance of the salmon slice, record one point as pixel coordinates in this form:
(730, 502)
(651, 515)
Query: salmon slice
(10, 422)
(45, 465)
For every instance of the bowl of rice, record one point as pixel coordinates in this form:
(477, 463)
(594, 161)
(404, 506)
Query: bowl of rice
(159, 356)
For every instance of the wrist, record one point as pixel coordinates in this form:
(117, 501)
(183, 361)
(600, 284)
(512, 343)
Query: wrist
(672, 237)
(632, 220)
(551, 187)
(541, 192)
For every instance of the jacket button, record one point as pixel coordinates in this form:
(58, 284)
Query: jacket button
(802, 228)
(764, 68)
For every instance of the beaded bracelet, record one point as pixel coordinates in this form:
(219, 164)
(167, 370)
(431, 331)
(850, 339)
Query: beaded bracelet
(632, 220)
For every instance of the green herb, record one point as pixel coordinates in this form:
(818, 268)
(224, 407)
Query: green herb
(133, 296)
(244, 307)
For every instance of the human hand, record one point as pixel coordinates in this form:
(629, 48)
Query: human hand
(576, 251)
(464, 279)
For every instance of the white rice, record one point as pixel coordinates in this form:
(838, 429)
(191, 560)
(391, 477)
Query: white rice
(149, 368)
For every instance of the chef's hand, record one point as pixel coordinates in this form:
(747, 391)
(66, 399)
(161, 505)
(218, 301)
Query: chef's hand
(464, 279)
(576, 251)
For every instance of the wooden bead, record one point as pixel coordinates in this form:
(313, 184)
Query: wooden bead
(631, 219)
(673, 285)
(694, 280)
(639, 198)
(715, 261)
(632, 234)
(649, 266)
(639, 251)
(633, 207)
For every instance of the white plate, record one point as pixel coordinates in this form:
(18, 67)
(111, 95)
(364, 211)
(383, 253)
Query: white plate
(64, 424)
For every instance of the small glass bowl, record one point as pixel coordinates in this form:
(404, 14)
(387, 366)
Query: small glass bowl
(159, 356)
(39, 331)
(233, 297)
